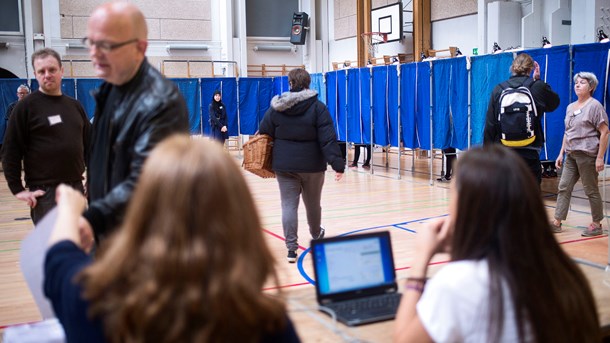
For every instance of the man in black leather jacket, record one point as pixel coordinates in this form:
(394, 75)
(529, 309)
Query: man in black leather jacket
(136, 108)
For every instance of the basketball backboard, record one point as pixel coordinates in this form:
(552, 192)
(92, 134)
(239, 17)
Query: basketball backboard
(388, 19)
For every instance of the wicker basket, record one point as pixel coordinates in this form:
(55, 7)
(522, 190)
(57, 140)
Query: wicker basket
(257, 156)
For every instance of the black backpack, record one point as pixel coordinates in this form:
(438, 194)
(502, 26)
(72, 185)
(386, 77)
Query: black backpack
(517, 114)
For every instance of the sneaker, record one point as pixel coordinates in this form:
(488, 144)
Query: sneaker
(444, 178)
(593, 231)
(353, 165)
(366, 166)
(556, 228)
(292, 256)
(321, 234)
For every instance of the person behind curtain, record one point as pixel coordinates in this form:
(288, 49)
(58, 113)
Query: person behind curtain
(582, 153)
(218, 118)
(508, 280)
(304, 142)
(546, 101)
(450, 156)
(367, 157)
(188, 264)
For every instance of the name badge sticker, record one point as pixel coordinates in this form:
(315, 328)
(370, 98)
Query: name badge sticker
(577, 112)
(54, 120)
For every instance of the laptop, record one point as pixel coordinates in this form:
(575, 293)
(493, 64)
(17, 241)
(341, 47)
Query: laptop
(355, 277)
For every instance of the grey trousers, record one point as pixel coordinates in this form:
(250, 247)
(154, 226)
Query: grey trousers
(292, 185)
(577, 165)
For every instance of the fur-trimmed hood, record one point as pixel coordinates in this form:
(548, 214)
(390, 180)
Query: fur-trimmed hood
(294, 102)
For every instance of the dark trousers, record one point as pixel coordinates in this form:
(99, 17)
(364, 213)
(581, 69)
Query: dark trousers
(449, 160)
(46, 202)
(218, 135)
(367, 155)
(534, 166)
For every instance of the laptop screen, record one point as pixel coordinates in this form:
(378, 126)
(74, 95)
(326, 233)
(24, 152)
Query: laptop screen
(354, 262)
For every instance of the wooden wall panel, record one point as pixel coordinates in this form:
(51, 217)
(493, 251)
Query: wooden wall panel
(443, 9)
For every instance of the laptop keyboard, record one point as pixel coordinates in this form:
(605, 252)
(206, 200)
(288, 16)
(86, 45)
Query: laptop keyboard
(373, 306)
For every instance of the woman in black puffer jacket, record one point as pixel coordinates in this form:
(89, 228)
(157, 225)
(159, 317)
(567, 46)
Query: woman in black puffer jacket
(304, 143)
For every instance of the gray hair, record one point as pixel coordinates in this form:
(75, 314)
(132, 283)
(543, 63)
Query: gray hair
(590, 77)
(23, 86)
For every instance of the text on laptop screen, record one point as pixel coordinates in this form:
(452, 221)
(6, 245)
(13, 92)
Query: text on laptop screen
(353, 264)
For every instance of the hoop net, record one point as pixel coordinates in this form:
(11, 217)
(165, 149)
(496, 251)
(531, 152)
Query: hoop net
(372, 40)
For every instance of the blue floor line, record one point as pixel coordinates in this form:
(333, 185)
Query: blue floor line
(398, 226)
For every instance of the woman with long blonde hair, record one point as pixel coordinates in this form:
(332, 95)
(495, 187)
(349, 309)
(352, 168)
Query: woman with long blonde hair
(188, 264)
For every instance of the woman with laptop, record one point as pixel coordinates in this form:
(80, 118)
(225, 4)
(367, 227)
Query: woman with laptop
(188, 264)
(508, 279)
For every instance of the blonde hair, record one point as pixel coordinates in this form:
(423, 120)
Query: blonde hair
(190, 261)
(523, 64)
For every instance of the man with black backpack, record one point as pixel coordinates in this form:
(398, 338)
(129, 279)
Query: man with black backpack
(515, 111)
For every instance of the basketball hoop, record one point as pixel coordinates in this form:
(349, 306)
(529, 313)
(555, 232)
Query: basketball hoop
(372, 40)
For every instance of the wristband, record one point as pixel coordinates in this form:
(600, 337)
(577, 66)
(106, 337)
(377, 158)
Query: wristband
(416, 287)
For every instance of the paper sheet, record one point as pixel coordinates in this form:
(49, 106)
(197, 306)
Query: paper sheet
(31, 259)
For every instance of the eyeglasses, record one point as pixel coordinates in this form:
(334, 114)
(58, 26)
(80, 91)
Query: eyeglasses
(106, 46)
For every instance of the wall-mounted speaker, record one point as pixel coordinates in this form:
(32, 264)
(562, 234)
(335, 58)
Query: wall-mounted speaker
(300, 20)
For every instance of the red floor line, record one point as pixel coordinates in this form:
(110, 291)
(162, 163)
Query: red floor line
(280, 237)
(583, 239)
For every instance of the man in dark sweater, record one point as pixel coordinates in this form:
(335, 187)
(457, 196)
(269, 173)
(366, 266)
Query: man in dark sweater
(136, 109)
(48, 132)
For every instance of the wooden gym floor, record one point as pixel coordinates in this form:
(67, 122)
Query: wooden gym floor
(361, 202)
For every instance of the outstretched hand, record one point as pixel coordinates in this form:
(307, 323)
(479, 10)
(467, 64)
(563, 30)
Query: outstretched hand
(70, 200)
(70, 205)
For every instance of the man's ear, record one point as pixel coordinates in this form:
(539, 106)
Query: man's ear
(142, 45)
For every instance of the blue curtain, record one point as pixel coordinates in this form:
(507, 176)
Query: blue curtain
(84, 87)
(331, 97)
(592, 58)
(254, 99)
(392, 89)
(422, 112)
(190, 91)
(280, 85)
(486, 72)
(555, 70)
(365, 104)
(317, 84)
(450, 105)
(354, 119)
(341, 106)
(380, 106)
(408, 101)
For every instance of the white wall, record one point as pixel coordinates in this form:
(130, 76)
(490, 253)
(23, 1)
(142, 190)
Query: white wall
(461, 32)
(587, 17)
(503, 24)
